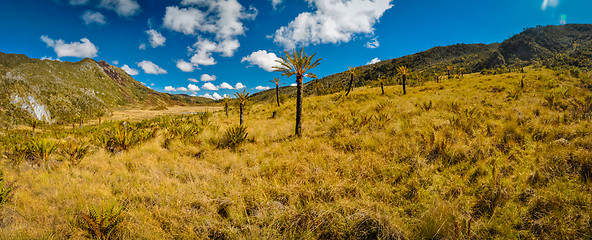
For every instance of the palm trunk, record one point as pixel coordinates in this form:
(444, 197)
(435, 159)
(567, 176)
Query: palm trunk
(226, 108)
(277, 93)
(382, 88)
(351, 82)
(241, 113)
(298, 105)
(404, 92)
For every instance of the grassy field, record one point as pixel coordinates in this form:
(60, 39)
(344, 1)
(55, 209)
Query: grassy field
(471, 158)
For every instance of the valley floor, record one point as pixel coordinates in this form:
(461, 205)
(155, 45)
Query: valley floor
(471, 158)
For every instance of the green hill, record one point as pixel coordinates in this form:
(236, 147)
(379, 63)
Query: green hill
(61, 91)
(565, 46)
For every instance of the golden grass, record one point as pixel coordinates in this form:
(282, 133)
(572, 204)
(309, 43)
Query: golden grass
(477, 164)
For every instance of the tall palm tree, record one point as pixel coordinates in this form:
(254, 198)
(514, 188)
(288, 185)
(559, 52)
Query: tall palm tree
(242, 99)
(352, 73)
(403, 71)
(277, 89)
(226, 100)
(449, 71)
(297, 63)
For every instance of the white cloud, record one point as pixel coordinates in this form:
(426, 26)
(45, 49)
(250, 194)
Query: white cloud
(90, 17)
(239, 86)
(207, 77)
(151, 68)
(82, 49)
(193, 88)
(373, 61)
(115, 62)
(293, 85)
(78, 2)
(220, 19)
(208, 96)
(156, 39)
(209, 86)
(125, 8)
(372, 44)
(50, 58)
(225, 85)
(182, 89)
(193, 80)
(185, 66)
(262, 88)
(216, 96)
(130, 70)
(274, 3)
(334, 21)
(169, 89)
(549, 3)
(142, 46)
(151, 84)
(263, 59)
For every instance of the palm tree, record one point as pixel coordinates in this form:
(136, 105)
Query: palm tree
(449, 71)
(242, 99)
(403, 71)
(381, 84)
(226, 100)
(299, 64)
(462, 71)
(352, 73)
(277, 89)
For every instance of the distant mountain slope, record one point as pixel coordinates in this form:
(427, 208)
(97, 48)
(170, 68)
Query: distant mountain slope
(60, 91)
(552, 46)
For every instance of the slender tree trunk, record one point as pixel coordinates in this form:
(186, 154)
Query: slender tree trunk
(298, 105)
(99, 120)
(277, 93)
(404, 92)
(226, 108)
(241, 113)
(521, 83)
(351, 82)
(382, 88)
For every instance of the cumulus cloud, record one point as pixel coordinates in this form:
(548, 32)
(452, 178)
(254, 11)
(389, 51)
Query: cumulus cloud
(130, 70)
(115, 62)
(334, 21)
(192, 80)
(182, 89)
(239, 86)
(209, 86)
(207, 78)
(90, 17)
(221, 19)
(151, 68)
(225, 85)
(206, 95)
(82, 49)
(293, 85)
(125, 8)
(262, 88)
(142, 46)
(262, 59)
(156, 39)
(193, 88)
(185, 66)
(372, 44)
(216, 96)
(549, 3)
(275, 3)
(169, 89)
(373, 61)
(50, 58)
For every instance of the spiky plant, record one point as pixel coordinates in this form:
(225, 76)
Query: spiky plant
(5, 189)
(234, 136)
(101, 224)
(352, 73)
(242, 99)
(226, 101)
(297, 63)
(277, 89)
(403, 71)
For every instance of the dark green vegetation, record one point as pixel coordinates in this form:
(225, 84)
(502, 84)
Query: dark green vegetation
(69, 92)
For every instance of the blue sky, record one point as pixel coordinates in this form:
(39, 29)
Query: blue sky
(221, 46)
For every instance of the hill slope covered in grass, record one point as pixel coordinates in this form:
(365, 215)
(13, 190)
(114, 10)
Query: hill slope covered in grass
(477, 157)
(60, 91)
(565, 46)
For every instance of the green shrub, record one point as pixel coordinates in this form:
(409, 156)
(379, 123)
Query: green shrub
(234, 137)
(101, 224)
(75, 152)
